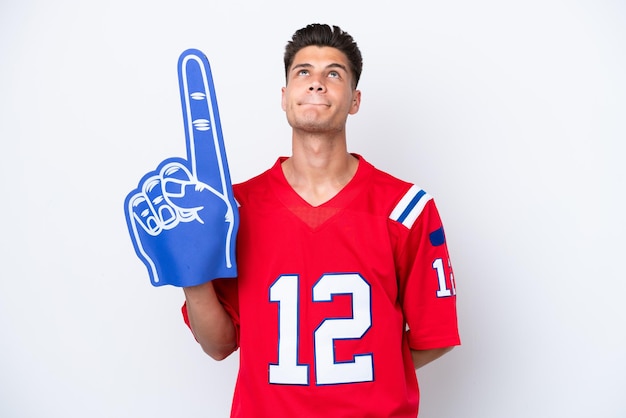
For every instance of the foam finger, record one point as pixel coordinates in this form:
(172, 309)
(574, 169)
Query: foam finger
(205, 146)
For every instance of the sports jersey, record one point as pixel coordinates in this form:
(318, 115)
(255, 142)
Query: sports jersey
(330, 299)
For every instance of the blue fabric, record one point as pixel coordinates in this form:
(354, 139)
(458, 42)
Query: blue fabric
(437, 237)
(182, 217)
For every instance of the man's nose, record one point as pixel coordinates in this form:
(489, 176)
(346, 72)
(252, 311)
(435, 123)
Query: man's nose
(317, 85)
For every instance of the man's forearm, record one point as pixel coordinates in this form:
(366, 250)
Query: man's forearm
(210, 323)
(423, 357)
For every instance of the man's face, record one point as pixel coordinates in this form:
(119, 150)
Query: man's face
(319, 96)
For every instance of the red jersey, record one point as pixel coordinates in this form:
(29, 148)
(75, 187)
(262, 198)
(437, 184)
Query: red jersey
(330, 299)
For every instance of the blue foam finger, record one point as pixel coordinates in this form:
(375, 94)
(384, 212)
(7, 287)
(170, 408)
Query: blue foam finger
(182, 217)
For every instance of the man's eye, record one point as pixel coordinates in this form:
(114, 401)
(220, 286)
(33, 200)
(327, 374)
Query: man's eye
(303, 72)
(333, 74)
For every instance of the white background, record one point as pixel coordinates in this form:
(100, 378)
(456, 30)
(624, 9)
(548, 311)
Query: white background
(511, 113)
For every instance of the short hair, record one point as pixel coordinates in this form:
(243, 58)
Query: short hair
(317, 34)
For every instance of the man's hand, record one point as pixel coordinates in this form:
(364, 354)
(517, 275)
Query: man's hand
(183, 217)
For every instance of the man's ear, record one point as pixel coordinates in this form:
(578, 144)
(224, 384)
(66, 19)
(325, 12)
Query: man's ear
(356, 102)
(282, 98)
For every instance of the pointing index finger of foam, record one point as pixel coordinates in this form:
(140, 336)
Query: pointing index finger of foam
(203, 132)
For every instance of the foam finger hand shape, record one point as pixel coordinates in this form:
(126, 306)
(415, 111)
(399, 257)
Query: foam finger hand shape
(182, 217)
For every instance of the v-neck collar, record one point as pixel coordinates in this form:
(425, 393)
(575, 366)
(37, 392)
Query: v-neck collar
(315, 216)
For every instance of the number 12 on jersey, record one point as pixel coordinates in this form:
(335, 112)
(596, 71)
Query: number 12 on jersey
(287, 371)
(444, 291)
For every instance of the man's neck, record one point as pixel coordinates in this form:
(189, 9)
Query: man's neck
(319, 168)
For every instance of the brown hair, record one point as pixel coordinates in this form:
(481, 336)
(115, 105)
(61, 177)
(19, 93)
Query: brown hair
(324, 35)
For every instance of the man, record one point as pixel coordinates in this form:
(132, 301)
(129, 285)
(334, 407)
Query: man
(344, 285)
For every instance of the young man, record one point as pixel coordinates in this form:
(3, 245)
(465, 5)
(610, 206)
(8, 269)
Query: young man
(345, 285)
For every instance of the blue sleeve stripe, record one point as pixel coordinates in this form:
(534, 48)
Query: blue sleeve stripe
(410, 206)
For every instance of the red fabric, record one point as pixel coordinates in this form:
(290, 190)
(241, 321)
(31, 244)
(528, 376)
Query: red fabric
(332, 289)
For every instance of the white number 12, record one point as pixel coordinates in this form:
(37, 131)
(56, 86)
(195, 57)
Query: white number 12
(287, 371)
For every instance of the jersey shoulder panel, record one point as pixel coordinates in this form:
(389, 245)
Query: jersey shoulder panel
(410, 206)
(404, 201)
(254, 189)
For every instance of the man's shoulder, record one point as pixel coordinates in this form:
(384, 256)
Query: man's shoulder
(384, 183)
(400, 200)
(252, 182)
(257, 184)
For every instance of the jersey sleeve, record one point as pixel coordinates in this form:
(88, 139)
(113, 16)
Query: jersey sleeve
(427, 286)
